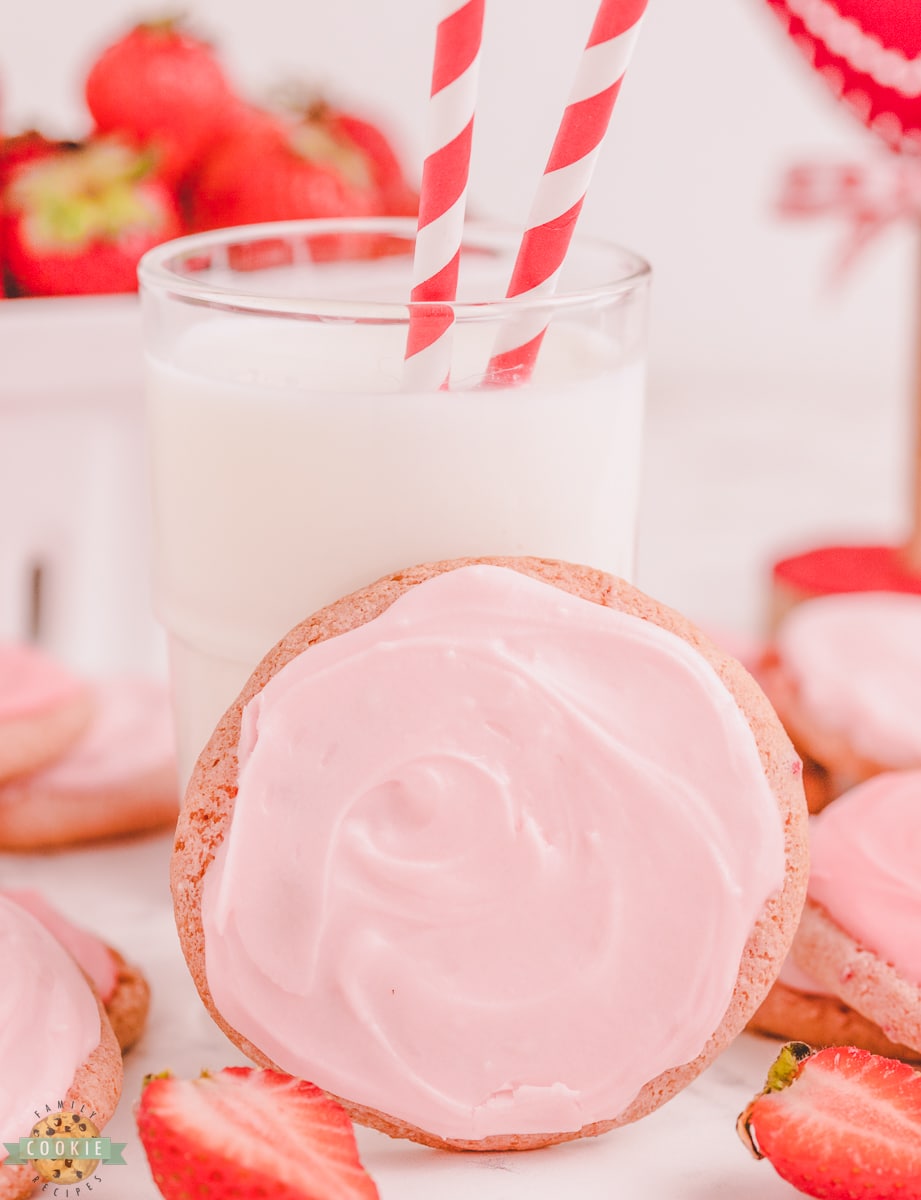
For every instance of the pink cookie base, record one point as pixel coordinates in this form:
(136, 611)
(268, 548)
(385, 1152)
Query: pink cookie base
(862, 980)
(821, 1020)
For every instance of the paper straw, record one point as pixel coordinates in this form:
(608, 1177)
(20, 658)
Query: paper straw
(443, 193)
(565, 181)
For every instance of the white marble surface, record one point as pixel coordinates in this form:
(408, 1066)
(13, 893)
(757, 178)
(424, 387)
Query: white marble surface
(688, 1150)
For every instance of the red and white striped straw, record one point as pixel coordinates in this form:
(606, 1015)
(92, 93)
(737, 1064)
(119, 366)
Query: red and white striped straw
(443, 193)
(565, 181)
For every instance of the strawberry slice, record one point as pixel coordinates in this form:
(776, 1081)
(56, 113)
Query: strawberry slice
(839, 1124)
(249, 1133)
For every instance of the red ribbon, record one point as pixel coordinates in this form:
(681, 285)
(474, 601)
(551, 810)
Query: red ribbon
(869, 196)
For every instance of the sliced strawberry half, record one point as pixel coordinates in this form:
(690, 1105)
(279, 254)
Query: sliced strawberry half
(249, 1134)
(77, 221)
(839, 1124)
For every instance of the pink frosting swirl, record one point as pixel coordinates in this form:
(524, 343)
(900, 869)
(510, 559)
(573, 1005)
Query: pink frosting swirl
(493, 860)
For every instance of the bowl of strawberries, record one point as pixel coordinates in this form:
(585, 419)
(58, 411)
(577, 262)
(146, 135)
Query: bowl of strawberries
(173, 148)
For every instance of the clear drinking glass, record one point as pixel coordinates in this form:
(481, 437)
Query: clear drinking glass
(292, 465)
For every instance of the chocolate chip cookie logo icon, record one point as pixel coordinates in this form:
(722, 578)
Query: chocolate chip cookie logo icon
(65, 1149)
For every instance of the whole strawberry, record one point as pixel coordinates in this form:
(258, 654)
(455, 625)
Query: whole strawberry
(839, 1124)
(165, 91)
(26, 147)
(398, 198)
(16, 151)
(249, 1134)
(76, 221)
(273, 169)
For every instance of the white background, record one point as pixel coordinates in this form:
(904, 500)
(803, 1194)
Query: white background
(748, 338)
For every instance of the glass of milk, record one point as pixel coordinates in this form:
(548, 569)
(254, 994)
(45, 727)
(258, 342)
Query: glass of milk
(292, 463)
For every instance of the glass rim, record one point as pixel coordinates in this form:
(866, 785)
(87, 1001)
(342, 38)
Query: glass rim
(156, 273)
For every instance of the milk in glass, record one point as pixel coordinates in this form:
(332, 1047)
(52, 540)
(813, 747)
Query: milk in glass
(290, 469)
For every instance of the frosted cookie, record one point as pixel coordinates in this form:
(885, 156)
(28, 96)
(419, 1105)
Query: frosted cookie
(43, 709)
(56, 1043)
(118, 779)
(859, 936)
(120, 986)
(845, 678)
(831, 570)
(500, 853)
(798, 1008)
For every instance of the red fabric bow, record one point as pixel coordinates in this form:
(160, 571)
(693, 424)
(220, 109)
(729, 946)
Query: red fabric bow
(869, 196)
